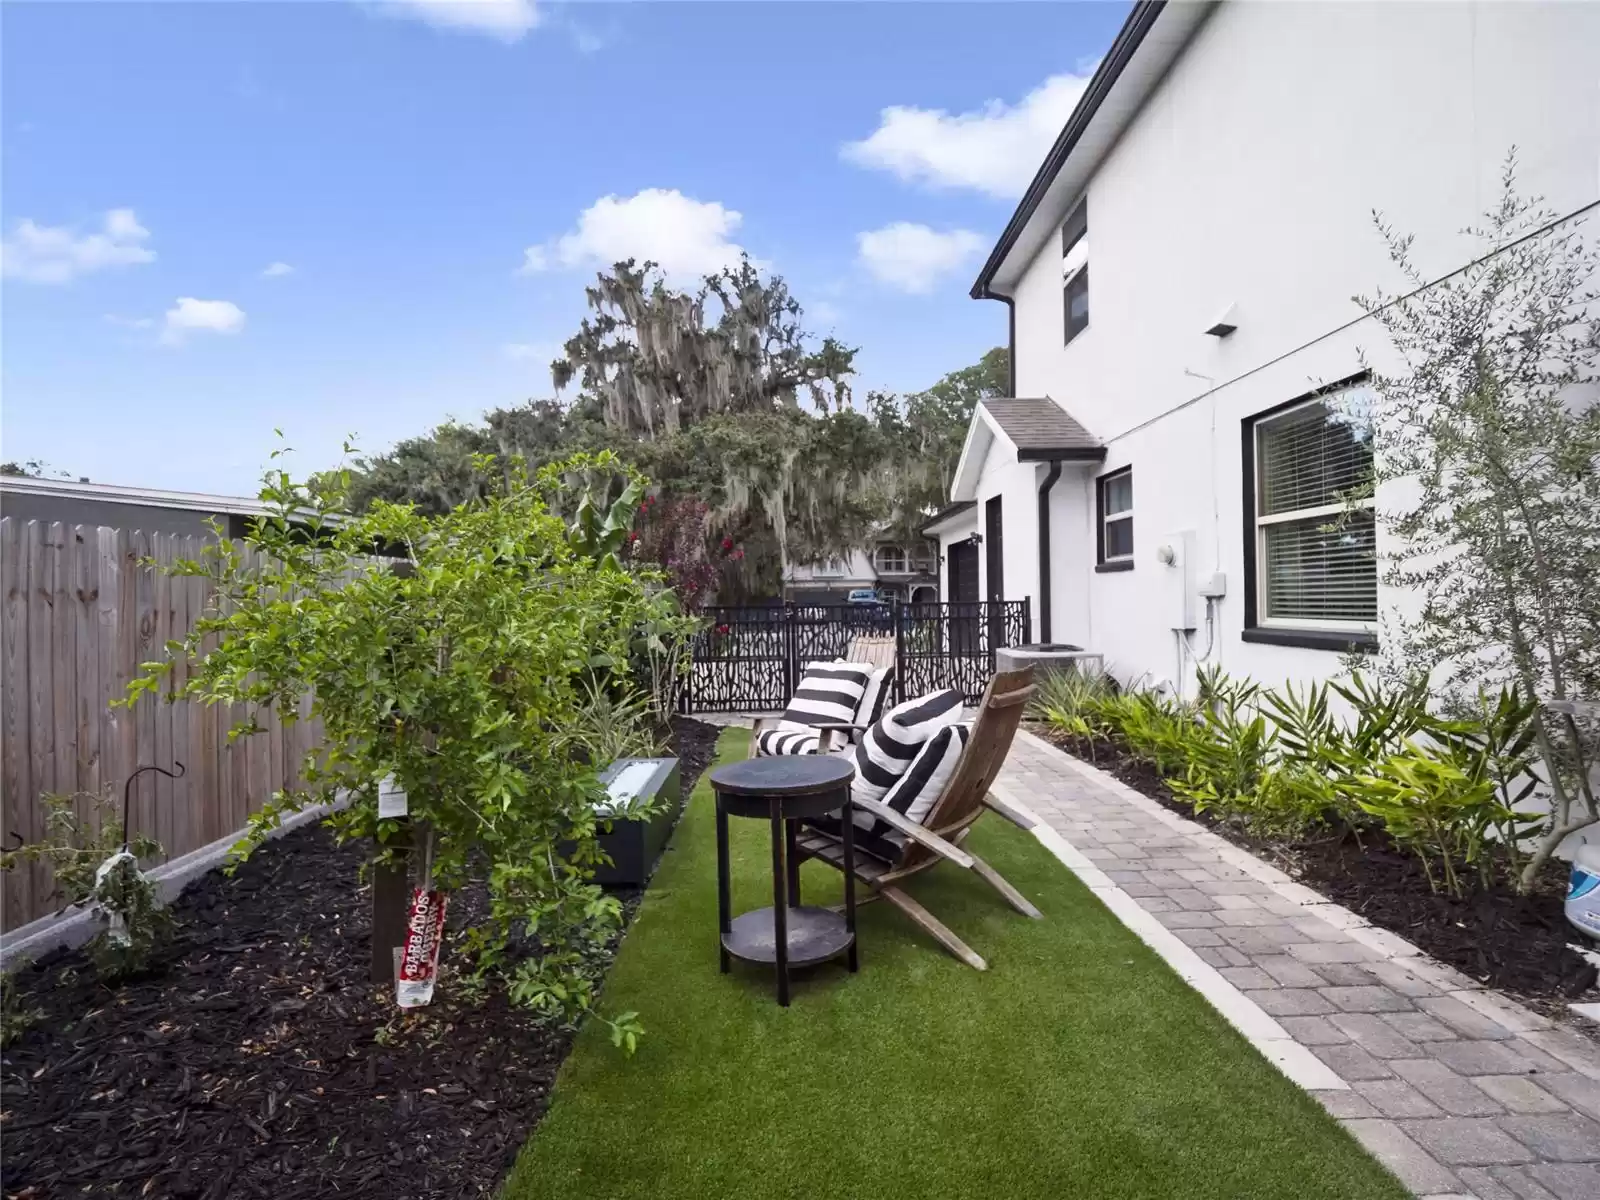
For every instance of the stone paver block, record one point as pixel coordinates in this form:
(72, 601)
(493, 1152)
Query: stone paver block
(1222, 956)
(1289, 972)
(1578, 1052)
(1313, 1031)
(1467, 1141)
(1169, 862)
(1185, 919)
(1248, 977)
(1344, 1104)
(1502, 1183)
(1124, 878)
(1351, 1063)
(1241, 903)
(1444, 1087)
(1345, 974)
(1188, 897)
(1413, 1165)
(1246, 918)
(1396, 1098)
(1260, 939)
(1492, 1058)
(1145, 892)
(1317, 930)
(1564, 1137)
(1463, 1019)
(1369, 999)
(1568, 1181)
(1332, 952)
(1290, 1002)
(1398, 977)
(1520, 1094)
(1197, 937)
(1579, 1091)
(1420, 1027)
(1196, 875)
(1378, 1039)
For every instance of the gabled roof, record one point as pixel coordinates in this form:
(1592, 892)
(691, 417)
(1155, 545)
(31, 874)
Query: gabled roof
(1149, 41)
(944, 514)
(1031, 430)
(1043, 431)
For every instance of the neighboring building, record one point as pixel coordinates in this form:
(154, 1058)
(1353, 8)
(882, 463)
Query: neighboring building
(152, 510)
(1196, 407)
(889, 568)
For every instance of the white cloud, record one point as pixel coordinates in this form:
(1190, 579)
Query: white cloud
(276, 270)
(914, 258)
(689, 238)
(995, 149)
(189, 315)
(507, 20)
(58, 254)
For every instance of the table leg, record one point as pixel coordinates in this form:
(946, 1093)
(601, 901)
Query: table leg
(724, 900)
(791, 852)
(780, 905)
(850, 882)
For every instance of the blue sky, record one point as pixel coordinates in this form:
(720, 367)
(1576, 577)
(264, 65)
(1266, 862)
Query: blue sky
(348, 218)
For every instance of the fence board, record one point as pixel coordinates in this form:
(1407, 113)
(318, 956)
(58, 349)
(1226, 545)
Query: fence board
(82, 608)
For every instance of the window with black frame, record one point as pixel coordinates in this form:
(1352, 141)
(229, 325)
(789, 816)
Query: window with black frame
(1114, 508)
(1314, 540)
(1075, 272)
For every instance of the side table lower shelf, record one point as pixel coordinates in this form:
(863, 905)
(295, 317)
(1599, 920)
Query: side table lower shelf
(815, 935)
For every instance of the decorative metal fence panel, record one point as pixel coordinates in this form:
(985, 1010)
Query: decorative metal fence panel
(748, 659)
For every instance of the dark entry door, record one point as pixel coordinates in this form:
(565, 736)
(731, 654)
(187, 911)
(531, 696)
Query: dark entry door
(963, 573)
(993, 547)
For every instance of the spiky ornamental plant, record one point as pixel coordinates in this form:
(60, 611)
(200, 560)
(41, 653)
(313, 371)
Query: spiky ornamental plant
(1490, 430)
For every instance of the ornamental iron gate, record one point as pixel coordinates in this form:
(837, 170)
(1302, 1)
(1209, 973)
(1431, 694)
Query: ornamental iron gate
(749, 659)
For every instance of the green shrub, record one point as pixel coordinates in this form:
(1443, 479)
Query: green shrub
(1069, 701)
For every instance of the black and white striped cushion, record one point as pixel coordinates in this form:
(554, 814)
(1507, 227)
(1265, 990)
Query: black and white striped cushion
(914, 795)
(774, 742)
(829, 693)
(872, 700)
(888, 749)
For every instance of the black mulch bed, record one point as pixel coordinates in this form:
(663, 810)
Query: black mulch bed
(1517, 944)
(258, 1060)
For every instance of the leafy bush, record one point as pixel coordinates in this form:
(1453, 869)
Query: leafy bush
(462, 671)
(93, 868)
(1069, 700)
(1282, 763)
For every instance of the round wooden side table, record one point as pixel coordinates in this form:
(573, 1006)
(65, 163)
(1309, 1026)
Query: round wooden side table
(785, 790)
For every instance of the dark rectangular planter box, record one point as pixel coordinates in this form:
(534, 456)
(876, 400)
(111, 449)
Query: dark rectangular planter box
(634, 845)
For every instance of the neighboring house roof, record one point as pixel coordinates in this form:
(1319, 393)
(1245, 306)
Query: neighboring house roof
(944, 514)
(1043, 431)
(1152, 37)
(153, 497)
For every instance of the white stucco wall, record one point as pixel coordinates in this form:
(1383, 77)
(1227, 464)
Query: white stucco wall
(1248, 179)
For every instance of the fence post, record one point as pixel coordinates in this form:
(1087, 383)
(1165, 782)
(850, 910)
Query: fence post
(898, 615)
(791, 650)
(1027, 620)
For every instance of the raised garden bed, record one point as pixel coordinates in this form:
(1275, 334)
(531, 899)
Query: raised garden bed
(1517, 944)
(257, 1059)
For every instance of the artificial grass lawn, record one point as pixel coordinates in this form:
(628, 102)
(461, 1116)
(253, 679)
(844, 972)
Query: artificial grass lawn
(1078, 1066)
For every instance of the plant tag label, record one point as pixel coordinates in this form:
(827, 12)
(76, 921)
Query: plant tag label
(419, 957)
(391, 799)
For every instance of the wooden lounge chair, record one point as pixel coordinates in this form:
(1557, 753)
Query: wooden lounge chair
(939, 838)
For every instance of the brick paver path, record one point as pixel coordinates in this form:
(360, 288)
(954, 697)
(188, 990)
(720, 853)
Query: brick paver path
(1458, 1090)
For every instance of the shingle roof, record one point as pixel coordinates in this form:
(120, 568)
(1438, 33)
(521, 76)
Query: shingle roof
(1042, 429)
(960, 506)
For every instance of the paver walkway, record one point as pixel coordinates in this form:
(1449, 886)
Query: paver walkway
(1455, 1088)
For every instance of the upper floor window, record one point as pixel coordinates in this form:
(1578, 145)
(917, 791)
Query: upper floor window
(831, 567)
(1315, 559)
(1114, 502)
(1075, 271)
(891, 560)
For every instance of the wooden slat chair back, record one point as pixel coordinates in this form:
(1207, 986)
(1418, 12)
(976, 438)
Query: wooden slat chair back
(962, 801)
(939, 837)
(874, 648)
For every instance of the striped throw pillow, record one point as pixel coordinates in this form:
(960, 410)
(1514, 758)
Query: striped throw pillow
(888, 749)
(914, 795)
(829, 693)
(775, 742)
(872, 700)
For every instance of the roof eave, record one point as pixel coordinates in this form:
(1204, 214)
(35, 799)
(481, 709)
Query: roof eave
(1063, 454)
(1129, 38)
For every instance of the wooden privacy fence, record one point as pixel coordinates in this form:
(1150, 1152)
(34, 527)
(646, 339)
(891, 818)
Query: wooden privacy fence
(82, 611)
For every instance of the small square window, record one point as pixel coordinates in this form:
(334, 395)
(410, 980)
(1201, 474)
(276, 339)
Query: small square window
(1075, 272)
(1114, 503)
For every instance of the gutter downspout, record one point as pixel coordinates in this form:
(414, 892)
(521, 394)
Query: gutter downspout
(1044, 549)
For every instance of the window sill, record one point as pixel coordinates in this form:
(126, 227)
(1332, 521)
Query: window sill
(1314, 639)
(1102, 568)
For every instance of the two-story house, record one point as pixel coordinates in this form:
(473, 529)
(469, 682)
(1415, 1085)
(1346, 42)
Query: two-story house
(1188, 362)
(887, 567)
